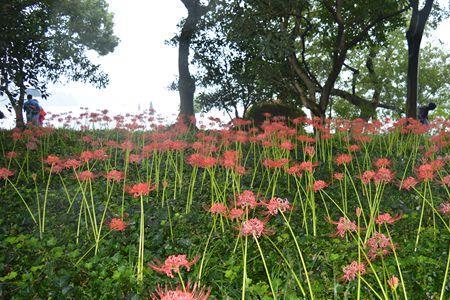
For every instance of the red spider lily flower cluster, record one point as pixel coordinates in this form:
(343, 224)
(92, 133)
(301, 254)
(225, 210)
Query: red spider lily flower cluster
(343, 159)
(408, 183)
(382, 163)
(173, 263)
(5, 173)
(353, 269)
(275, 164)
(11, 155)
(86, 175)
(367, 176)
(140, 189)
(72, 164)
(387, 219)
(201, 161)
(247, 199)
(194, 293)
(446, 181)
(219, 209)
(319, 185)
(255, 227)
(52, 160)
(117, 224)
(338, 176)
(343, 226)
(275, 205)
(393, 282)
(379, 246)
(114, 175)
(236, 213)
(425, 172)
(444, 208)
(383, 175)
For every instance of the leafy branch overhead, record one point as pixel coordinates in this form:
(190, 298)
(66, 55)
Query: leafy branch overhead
(47, 41)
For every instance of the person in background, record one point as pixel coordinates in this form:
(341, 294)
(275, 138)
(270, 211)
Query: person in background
(32, 110)
(423, 112)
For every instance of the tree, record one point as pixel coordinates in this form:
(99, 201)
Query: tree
(414, 34)
(44, 41)
(186, 83)
(304, 44)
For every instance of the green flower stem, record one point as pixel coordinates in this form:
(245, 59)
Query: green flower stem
(300, 255)
(265, 267)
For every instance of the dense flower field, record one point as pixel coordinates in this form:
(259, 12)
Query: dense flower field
(356, 210)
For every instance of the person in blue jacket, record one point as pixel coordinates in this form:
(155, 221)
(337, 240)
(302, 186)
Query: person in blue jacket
(32, 110)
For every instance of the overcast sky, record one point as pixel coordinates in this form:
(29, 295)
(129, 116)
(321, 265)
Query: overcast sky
(142, 66)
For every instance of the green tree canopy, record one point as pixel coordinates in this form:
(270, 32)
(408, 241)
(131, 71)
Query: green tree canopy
(44, 41)
(295, 48)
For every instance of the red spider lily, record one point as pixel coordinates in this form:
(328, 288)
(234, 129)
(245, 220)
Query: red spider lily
(127, 146)
(86, 175)
(408, 183)
(287, 145)
(72, 164)
(255, 228)
(52, 160)
(236, 213)
(309, 150)
(240, 170)
(134, 158)
(87, 156)
(100, 154)
(437, 164)
(379, 246)
(353, 269)
(117, 224)
(114, 175)
(218, 208)
(56, 169)
(201, 161)
(446, 181)
(307, 166)
(11, 155)
(425, 172)
(294, 170)
(393, 282)
(306, 139)
(383, 175)
(229, 159)
(387, 219)
(353, 148)
(140, 189)
(344, 225)
(319, 185)
(367, 176)
(173, 263)
(444, 208)
(338, 176)
(382, 163)
(343, 159)
(5, 173)
(247, 199)
(278, 163)
(277, 204)
(179, 294)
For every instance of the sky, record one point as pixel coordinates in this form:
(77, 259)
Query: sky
(142, 66)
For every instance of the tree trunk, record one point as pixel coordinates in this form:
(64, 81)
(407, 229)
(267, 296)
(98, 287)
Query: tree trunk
(186, 83)
(412, 78)
(414, 37)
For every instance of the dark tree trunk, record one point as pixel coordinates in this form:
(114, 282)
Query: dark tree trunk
(414, 37)
(186, 83)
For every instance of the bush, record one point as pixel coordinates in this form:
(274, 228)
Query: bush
(257, 112)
